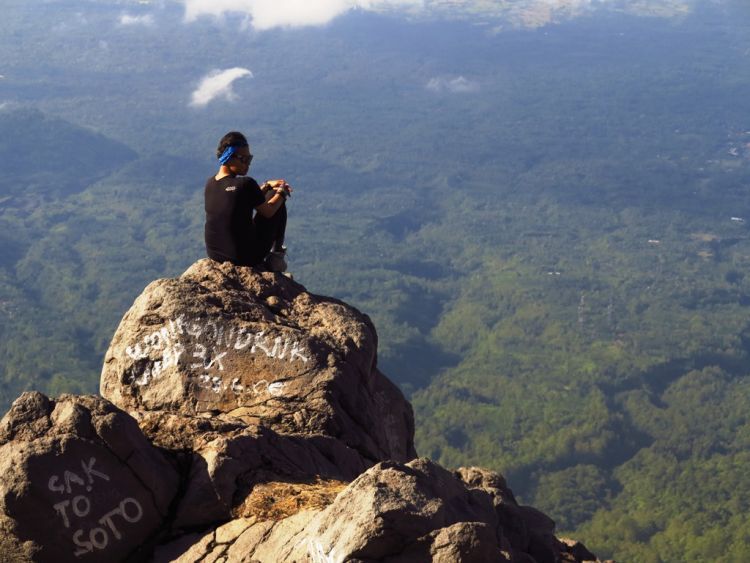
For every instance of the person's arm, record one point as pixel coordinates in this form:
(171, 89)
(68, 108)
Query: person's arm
(281, 191)
(271, 205)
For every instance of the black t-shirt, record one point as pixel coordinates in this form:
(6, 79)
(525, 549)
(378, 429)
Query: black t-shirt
(229, 231)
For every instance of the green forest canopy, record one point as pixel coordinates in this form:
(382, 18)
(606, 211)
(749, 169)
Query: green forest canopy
(556, 260)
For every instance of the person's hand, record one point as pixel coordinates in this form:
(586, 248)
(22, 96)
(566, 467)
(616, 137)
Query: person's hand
(278, 186)
(282, 188)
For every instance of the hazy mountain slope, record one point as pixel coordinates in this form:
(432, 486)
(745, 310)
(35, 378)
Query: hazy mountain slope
(45, 156)
(540, 223)
(79, 241)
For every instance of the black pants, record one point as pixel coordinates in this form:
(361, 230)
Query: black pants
(269, 233)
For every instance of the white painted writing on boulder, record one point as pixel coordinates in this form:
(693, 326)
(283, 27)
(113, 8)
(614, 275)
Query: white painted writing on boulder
(178, 340)
(57, 485)
(218, 385)
(86, 539)
(129, 510)
(317, 554)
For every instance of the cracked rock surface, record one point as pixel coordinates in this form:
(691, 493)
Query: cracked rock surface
(393, 513)
(80, 481)
(224, 460)
(259, 347)
(244, 420)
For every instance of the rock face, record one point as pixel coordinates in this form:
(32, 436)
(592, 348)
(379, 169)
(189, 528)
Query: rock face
(258, 347)
(223, 461)
(395, 513)
(244, 419)
(80, 481)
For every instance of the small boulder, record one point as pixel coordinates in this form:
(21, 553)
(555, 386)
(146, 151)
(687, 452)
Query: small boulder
(509, 513)
(80, 481)
(576, 550)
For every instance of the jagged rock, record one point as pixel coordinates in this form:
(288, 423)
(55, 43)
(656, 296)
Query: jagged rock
(227, 460)
(469, 542)
(259, 347)
(393, 513)
(256, 428)
(80, 481)
(543, 546)
(509, 513)
(577, 551)
(412, 500)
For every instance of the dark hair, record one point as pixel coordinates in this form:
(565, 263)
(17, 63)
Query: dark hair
(231, 139)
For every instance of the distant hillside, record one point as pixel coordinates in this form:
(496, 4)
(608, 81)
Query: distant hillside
(549, 228)
(45, 155)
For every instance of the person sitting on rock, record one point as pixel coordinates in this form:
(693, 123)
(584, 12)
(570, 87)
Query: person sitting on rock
(232, 233)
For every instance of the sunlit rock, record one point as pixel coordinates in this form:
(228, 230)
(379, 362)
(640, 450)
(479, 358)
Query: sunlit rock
(250, 423)
(260, 348)
(80, 482)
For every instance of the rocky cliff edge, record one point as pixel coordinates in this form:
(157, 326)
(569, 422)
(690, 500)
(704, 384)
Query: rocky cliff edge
(244, 419)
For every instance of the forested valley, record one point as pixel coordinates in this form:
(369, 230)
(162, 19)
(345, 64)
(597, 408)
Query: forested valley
(548, 226)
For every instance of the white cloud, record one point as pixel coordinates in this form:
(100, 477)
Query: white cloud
(267, 14)
(127, 19)
(457, 85)
(566, 3)
(217, 84)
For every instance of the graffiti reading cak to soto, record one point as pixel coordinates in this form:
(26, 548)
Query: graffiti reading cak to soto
(92, 529)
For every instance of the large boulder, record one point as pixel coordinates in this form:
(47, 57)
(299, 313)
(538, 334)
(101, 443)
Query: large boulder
(258, 347)
(80, 482)
(402, 512)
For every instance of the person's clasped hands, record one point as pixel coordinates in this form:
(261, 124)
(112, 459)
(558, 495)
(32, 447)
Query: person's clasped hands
(278, 186)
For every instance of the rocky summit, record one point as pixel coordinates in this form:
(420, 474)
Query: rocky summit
(244, 419)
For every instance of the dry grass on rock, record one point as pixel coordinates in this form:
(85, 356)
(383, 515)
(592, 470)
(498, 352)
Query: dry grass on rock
(276, 500)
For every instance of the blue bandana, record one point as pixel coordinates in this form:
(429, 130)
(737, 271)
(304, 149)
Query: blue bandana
(229, 153)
